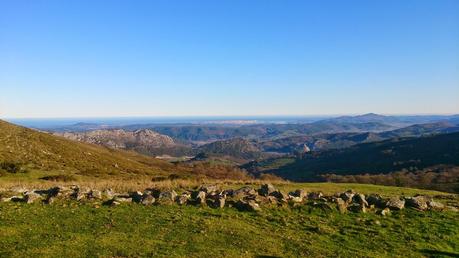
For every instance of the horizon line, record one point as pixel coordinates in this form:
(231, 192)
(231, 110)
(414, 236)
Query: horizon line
(233, 116)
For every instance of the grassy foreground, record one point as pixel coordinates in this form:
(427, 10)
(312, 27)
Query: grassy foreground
(132, 230)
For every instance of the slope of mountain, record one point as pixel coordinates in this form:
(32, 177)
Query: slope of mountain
(23, 149)
(234, 149)
(378, 157)
(144, 141)
(328, 141)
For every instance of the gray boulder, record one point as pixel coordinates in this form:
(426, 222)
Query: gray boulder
(433, 205)
(395, 203)
(247, 206)
(266, 189)
(418, 202)
(167, 197)
(147, 199)
(360, 199)
(183, 198)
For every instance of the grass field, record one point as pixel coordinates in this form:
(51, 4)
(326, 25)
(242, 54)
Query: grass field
(133, 230)
(72, 229)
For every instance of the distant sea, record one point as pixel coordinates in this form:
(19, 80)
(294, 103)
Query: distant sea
(43, 123)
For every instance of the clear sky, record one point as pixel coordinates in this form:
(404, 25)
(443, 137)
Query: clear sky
(100, 58)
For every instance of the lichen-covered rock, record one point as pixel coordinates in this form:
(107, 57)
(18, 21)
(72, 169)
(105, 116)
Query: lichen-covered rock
(395, 203)
(183, 198)
(266, 189)
(147, 199)
(433, 205)
(122, 199)
(167, 197)
(418, 202)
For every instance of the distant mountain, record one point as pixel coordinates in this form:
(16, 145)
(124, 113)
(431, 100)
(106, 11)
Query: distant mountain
(233, 149)
(144, 141)
(328, 141)
(378, 157)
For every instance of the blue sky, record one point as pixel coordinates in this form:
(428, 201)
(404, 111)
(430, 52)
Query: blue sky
(187, 58)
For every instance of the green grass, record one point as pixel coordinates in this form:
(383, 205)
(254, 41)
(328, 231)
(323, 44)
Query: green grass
(171, 231)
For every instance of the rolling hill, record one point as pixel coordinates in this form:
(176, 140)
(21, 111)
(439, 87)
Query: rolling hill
(373, 158)
(26, 149)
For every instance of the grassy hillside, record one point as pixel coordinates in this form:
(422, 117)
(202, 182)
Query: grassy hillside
(74, 229)
(28, 153)
(379, 157)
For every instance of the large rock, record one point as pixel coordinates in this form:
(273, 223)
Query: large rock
(266, 189)
(95, 194)
(360, 199)
(280, 196)
(418, 202)
(315, 195)
(341, 205)
(376, 200)
(244, 191)
(167, 197)
(247, 206)
(136, 196)
(395, 203)
(183, 198)
(148, 199)
(347, 196)
(299, 193)
(209, 189)
(355, 207)
(433, 205)
(122, 199)
(199, 197)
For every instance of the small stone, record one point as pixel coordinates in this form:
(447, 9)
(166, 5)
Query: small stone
(385, 212)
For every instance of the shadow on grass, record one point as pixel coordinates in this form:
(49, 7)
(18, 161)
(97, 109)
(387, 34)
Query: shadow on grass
(436, 253)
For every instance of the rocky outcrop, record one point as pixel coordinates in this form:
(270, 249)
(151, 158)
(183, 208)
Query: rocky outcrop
(245, 198)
